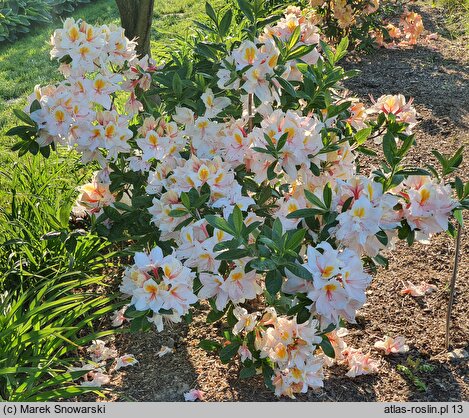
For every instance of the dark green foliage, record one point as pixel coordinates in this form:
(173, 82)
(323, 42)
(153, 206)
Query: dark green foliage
(18, 16)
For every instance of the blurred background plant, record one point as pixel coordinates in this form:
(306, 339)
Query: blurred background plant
(18, 16)
(457, 16)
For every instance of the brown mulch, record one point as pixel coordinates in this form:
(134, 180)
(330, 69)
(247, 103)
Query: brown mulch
(435, 73)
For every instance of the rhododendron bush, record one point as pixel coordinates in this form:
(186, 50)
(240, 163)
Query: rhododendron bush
(232, 173)
(366, 22)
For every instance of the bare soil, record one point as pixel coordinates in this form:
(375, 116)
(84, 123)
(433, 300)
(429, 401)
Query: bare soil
(436, 74)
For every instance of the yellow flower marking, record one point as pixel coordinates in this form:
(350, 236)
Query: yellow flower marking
(250, 54)
(73, 33)
(327, 271)
(424, 196)
(59, 116)
(359, 212)
(99, 84)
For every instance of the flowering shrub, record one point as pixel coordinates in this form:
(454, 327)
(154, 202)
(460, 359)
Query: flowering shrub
(365, 22)
(409, 30)
(233, 170)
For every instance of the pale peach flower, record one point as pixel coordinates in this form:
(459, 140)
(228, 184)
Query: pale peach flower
(418, 290)
(392, 345)
(193, 395)
(165, 350)
(95, 379)
(359, 363)
(412, 26)
(125, 361)
(118, 317)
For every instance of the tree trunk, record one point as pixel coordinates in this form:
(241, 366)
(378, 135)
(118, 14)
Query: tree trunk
(136, 17)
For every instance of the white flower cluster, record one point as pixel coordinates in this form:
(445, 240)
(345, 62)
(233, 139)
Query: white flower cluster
(257, 60)
(291, 347)
(79, 112)
(161, 284)
(338, 286)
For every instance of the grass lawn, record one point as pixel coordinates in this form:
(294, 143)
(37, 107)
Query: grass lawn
(26, 62)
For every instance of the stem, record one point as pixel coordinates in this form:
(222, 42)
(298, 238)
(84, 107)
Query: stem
(251, 120)
(453, 284)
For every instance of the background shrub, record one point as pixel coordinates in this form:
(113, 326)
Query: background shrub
(18, 16)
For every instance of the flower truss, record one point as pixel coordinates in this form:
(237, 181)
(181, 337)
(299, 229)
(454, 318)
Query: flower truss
(232, 172)
(406, 34)
(366, 23)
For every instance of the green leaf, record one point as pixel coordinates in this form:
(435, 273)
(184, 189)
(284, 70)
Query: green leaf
(314, 199)
(303, 316)
(366, 151)
(412, 171)
(327, 347)
(271, 170)
(287, 86)
(229, 351)
(273, 282)
(267, 373)
(458, 216)
(23, 131)
(35, 105)
(177, 85)
(185, 200)
(341, 50)
(225, 23)
(295, 239)
(45, 151)
(233, 254)
(459, 186)
(389, 147)
(327, 52)
(304, 213)
(132, 313)
(362, 135)
(209, 345)
(246, 7)
(382, 237)
(220, 223)
(300, 51)
(442, 160)
(238, 219)
(456, 160)
(263, 264)
(24, 117)
(327, 195)
(211, 13)
(381, 260)
(334, 110)
(214, 316)
(347, 204)
(177, 213)
(295, 36)
(277, 228)
(247, 372)
(299, 270)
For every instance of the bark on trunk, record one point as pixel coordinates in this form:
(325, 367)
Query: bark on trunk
(136, 17)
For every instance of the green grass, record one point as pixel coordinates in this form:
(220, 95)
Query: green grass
(456, 13)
